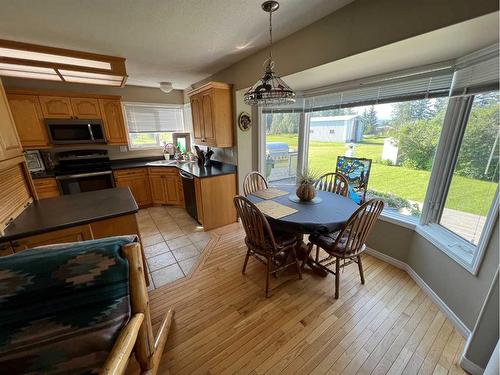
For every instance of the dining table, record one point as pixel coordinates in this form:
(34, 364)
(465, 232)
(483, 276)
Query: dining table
(326, 214)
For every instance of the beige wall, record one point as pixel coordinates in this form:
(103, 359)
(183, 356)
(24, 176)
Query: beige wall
(358, 27)
(128, 93)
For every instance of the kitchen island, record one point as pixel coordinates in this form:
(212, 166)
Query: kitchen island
(70, 218)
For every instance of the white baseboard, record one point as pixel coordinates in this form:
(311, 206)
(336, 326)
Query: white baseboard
(470, 366)
(459, 325)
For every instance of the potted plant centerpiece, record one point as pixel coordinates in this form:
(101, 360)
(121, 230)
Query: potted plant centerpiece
(305, 185)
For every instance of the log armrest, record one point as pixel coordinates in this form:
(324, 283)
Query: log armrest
(117, 360)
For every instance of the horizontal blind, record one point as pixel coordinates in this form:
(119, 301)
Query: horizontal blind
(477, 72)
(400, 86)
(148, 118)
(384, 92)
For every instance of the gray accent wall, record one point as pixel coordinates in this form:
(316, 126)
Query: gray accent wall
(484, 337)
(463, 292)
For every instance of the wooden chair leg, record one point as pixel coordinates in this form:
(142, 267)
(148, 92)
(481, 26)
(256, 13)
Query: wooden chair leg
(360, 267)
(317, 253)
(268, 273)
(299, 268)
(246, 262)
(337, 277)
(306, 255)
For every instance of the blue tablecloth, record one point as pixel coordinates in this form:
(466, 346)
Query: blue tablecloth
(327, 216)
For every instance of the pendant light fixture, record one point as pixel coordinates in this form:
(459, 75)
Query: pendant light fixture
(270, 89)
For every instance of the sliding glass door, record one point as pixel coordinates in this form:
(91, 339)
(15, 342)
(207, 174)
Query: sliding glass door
(281, 146)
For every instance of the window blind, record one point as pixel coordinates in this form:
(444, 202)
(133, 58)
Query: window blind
(149, 118)
(399, 86)
(477, 72)
(384, 92)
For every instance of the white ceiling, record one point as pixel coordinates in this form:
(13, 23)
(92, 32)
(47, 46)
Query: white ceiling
(436, 46)
(182, 41)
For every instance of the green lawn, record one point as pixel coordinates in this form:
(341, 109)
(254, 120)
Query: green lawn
(473, 196)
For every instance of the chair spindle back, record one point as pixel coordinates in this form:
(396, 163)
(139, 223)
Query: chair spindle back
(254, 181)
(359, 226)
(257, 228)
(334, 183)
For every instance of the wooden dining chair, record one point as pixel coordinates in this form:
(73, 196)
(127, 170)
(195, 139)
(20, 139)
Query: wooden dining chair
(78, 308)
(254, 181)
(262, 243)
(348, 243)
(333, 182)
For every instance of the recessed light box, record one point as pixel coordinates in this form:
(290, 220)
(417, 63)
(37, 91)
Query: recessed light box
(56, 64)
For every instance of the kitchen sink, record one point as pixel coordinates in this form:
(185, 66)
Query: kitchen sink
(162, 162)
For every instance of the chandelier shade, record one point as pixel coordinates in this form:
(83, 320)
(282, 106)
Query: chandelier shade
(270, 90)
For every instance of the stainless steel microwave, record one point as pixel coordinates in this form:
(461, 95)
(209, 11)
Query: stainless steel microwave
(68, 131)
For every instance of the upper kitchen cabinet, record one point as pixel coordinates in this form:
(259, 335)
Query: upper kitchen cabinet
(114, 125)
(28, 118)
(56, 107)
(211, 107)
(10, 145)
(85, 108)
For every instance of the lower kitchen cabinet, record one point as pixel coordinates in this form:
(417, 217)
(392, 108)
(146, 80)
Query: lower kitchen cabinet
(71, 234)
(166, 187)
(138, 182)
(214, 200)
(46, 187)
(117, 226)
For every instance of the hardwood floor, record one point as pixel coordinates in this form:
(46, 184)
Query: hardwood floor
(224, 325)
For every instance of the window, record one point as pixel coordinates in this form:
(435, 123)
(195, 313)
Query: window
(152, 125)
(474, 181)
(433, 138)
(400, 138)
(281, 145)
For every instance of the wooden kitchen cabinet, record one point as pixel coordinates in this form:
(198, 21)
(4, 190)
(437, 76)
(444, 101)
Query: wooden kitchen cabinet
(165, 186)
(46, 187)
(30, 108)
(138, 181)
(28, 117)
(214, 200)
(197, 116)
(85, 108)
(114, 124)
(117, 226)
(211, 108)
(71, 234)
(56, 107)
(10, 145)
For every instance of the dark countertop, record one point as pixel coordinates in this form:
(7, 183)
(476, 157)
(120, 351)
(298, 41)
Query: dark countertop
(70, 210)
(217, 169)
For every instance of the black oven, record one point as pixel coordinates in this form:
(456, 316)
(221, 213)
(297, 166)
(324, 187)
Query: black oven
(83, 170)
(81, 182)
(68, 131)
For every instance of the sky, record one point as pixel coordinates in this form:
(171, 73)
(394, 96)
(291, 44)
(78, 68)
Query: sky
(383, 111)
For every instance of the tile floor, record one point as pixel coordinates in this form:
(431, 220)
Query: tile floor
(173, 243)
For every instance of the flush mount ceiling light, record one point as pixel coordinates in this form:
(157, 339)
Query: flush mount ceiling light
(270, 89)
(25, 60)
(166, 87)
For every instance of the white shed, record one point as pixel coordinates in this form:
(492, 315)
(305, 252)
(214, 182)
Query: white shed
(346, 128)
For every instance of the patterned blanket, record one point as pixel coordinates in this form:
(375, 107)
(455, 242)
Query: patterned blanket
(62, 306)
